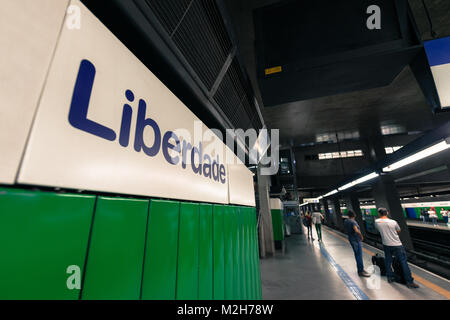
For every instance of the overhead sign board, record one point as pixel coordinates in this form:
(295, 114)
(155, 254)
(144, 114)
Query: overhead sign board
(438, 52)
(106, 123)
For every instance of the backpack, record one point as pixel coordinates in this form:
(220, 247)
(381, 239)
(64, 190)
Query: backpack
(305, 222)
(379, 261)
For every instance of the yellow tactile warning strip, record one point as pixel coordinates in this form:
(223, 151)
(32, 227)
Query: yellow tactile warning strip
(417, 278)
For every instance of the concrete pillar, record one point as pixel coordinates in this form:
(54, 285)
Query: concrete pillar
(352, 201)
(324, 202)
(338, 214)
(385, 192)
(386, 196)
(265, 226)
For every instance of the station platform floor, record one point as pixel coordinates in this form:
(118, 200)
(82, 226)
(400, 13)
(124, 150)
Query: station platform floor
(305, 270)
(428, 225)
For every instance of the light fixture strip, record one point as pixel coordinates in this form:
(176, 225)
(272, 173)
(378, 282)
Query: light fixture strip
(441, 146)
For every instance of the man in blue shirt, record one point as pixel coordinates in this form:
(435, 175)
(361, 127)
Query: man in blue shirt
(355, 237)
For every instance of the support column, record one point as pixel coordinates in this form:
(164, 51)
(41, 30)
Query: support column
(352, 202)
(338, 214)
(386, 196)
(385, 192)
(324, 202)
(267, 244)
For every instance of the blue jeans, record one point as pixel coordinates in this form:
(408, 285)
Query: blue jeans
(399, 253)
(357, 250)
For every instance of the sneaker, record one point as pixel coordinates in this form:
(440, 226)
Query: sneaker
(364, 274)
(390, 280)
(412, 285)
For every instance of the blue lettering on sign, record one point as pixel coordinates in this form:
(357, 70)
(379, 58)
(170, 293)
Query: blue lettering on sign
(169, 141)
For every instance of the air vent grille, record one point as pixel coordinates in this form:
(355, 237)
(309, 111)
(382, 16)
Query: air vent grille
(197, 29)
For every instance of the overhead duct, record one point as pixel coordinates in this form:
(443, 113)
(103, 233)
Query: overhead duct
(311, 49)
(190, 47)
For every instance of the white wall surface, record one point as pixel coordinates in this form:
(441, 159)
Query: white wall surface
(29, 31)
(61, 155)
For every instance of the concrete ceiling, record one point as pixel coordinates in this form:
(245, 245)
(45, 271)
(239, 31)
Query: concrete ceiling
(401, 103)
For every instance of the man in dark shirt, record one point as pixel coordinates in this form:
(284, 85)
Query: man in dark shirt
(355, 237)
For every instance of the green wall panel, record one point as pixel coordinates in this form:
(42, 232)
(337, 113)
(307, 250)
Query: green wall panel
(277, 225)
(116, 251)
(219, 253)
(242, 250)
(41, 234)
(205, 258)
(228, 250)
(255, 255)
(188, 244)
(160, 266)
(236, 256)
(250, 272)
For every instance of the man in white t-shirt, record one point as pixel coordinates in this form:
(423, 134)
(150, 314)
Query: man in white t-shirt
(317, 218)
(389, 231)
(433, 216)
(444, 214)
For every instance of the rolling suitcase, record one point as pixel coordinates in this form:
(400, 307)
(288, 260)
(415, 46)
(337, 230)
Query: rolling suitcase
(378, 260)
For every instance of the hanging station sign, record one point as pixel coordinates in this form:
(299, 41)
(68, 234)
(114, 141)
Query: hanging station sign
(106, 123)
(438, 52)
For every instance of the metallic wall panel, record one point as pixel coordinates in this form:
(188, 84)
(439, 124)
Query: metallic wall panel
(188, 245)
(219, 253)
(116, 250)
(229, 256)
(41, 235)
(160, 266)
(205, 259)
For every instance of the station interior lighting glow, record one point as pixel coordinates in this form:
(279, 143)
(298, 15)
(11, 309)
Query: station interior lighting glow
(441, 146)
(371, 176)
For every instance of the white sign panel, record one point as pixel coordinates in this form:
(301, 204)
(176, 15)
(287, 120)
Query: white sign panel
(29, 31)
(276, 204)
(106, 123)
(438, 52)
(241, 189)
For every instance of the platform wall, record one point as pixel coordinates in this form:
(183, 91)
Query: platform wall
(125, 248)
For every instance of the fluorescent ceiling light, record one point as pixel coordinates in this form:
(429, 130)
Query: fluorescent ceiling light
(441, 146)
(371, 176)
(330, 193)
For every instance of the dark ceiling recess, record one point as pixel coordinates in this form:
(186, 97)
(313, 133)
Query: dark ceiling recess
(189, 46)
(311, 49)
(198, 30)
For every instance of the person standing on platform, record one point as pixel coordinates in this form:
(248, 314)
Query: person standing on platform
(422, 215)
(317, 218)
(355, 238)
(433, 216)
(389, 231)
(444, 214)
(308, 224)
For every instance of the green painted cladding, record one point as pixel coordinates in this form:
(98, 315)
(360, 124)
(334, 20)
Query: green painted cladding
(228, 251)
(41, 235)
(160, 265)
(187, 274)
(125, 248)
(277, 225)
(116, 251)
(218, 253)
(205, 253)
